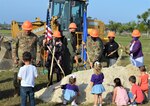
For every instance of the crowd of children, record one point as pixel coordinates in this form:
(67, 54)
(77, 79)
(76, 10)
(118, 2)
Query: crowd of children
(121, 97)
(137, 95)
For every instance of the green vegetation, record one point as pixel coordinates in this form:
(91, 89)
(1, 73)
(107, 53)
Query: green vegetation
(143, 24)
(5, 32)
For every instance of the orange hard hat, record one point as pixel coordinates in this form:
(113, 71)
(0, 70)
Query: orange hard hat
(94, 33)
(73, 26)
(136, 33)
(111, 34)
(57, 34)
(27, 25)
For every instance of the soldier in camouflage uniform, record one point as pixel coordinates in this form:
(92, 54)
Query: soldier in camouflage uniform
(94, 47)
(69, 47)
(24, 41)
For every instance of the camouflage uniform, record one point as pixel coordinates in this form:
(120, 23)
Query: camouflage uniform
(94, 49)
(20, 44)
(24, 42)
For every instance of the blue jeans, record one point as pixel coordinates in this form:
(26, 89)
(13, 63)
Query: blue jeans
(131, 97)
(24, 93)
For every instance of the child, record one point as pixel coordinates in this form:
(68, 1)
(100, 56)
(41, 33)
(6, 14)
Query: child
(120, 96)
(143, 80)
(136, 96)
(71, 91)
(27, 74)
(96, 83)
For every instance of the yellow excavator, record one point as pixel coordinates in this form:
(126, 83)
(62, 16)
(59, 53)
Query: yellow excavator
(62, 13)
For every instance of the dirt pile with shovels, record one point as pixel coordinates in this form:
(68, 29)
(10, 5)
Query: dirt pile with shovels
(83, 81)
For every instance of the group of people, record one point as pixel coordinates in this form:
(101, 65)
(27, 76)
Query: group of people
(27, 51)
(28, 73)
(63, 49)
(121, 96)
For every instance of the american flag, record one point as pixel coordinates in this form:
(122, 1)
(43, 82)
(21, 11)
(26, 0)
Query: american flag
(48, 33)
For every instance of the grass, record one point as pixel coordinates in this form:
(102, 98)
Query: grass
(6, 77)
(5, 32)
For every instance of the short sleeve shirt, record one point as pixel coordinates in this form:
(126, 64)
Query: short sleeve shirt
(27, 73)
(70, 87)
(97, 79)
(144, 82)
(136, 90)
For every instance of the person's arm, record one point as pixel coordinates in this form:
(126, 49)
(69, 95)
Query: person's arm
(20, 74)
(15, 45)
(92, 82)
(139, 80)
(114, 95)
(38, 58)
(91, 85)
(35, 72)
(60, 86)
(99, 50)
(132, 100)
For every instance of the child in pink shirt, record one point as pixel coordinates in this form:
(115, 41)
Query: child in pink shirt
(136, 96)
(143, 80)
(120, 96)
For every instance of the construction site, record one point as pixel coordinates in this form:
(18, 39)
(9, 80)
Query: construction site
(60, 14)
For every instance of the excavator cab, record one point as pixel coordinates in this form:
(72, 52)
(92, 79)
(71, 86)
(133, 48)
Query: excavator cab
(68, 11)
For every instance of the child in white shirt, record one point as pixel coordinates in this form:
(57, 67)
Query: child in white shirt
(27, 75)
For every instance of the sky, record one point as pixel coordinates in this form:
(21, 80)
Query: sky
(117, 10)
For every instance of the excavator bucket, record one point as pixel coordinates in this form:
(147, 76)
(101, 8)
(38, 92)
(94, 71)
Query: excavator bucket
(5, 54)
(2, 50)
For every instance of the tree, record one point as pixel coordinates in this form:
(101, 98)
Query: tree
(113, 26)
(144, 21)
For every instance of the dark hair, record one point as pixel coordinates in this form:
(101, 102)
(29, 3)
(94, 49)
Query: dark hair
(27, 56)
(142, 69)
(72, 80)
(132, 79)
(117, 82)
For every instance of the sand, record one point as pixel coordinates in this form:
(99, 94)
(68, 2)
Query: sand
(83, 80)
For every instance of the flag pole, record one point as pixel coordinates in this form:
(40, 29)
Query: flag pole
(84, 38)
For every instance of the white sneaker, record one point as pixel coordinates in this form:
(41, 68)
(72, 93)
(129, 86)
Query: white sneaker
(64, 102)
(132, 105)
(100, 104)
(73, 103)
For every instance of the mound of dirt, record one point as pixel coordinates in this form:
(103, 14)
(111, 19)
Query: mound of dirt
(83, 81)
(6, 64)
